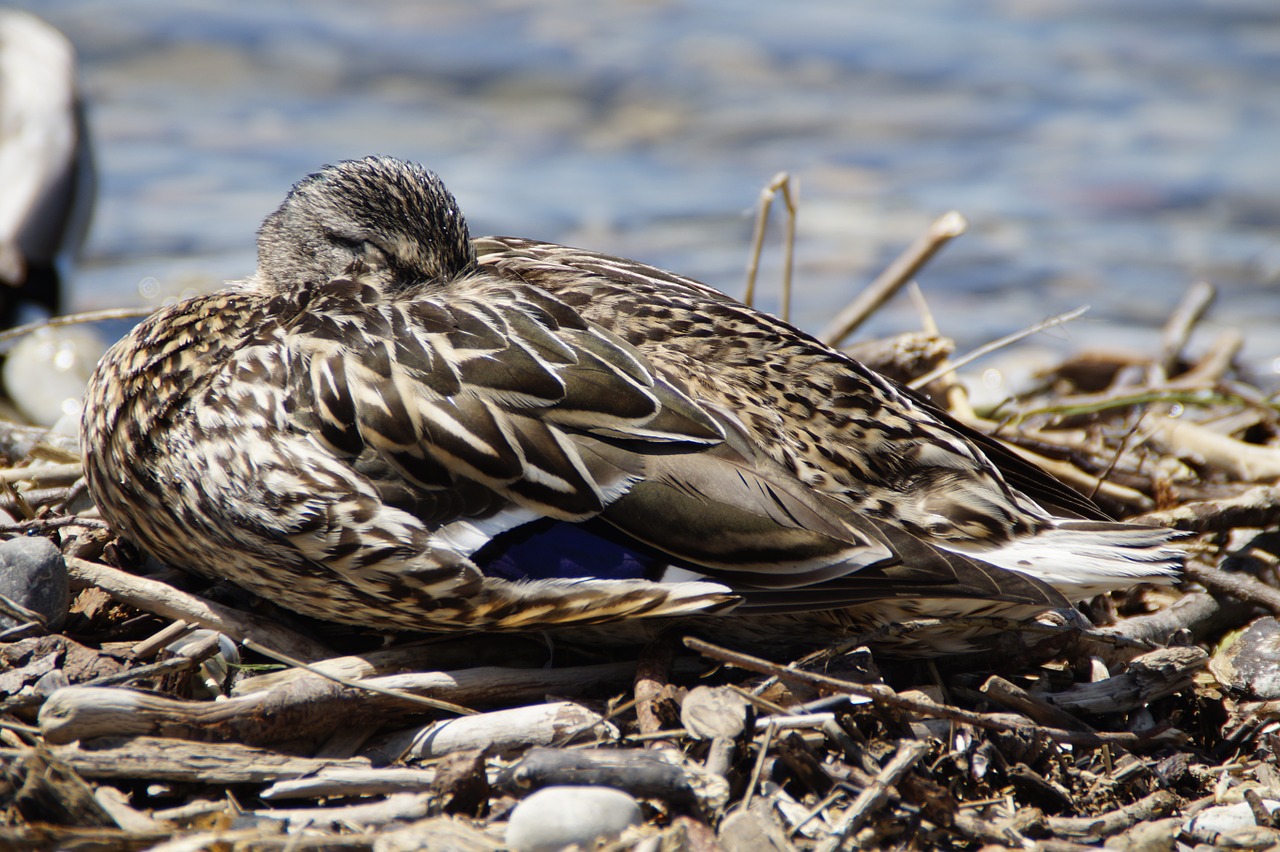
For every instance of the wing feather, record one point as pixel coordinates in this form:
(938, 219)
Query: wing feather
(486, 388)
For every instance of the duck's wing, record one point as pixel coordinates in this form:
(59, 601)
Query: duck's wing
(481, 389)
(535, 261)
(497, 408)
(734, 514)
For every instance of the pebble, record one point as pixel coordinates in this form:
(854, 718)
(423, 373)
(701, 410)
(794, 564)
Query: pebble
(555, 817)
(753, 830)
(34, 575)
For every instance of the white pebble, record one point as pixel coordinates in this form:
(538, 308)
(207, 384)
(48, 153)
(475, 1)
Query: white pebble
(555, 817)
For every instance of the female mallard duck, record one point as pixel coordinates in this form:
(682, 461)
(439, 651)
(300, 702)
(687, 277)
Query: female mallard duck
(395, 426)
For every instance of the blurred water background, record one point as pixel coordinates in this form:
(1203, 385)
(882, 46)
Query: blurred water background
(1104, 153)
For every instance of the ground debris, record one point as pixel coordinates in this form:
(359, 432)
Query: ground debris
(130, 727)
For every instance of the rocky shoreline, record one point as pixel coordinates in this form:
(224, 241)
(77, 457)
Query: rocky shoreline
(145, 709)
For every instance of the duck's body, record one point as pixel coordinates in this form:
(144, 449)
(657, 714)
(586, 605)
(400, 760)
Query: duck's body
(390, 425)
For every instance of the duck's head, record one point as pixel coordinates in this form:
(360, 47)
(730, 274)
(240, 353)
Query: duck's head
(396, 218)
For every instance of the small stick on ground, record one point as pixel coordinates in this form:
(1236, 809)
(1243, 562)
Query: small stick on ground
(1242, 587)
(75, 319)
(1199, 614)
(766, 740)
(1257, 507)
(1095, 828)
(987, 348)
(886, 696)
(957, 398)
(873, 797)
(652, 687)
(164, 600)
(1177, 330)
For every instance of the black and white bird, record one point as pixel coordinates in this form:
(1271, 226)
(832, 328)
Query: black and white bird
(393, 425)
(46, 166)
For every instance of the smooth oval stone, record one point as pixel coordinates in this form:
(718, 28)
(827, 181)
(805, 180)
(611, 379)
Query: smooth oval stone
(34, 575)
(555, 817)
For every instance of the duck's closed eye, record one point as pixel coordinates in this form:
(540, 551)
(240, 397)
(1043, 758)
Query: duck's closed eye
(369, 252)
(373, 255)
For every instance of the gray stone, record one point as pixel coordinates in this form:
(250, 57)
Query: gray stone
(555, 817)
(33, 574)
(754, 830)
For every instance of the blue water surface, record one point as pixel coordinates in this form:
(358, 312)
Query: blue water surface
(1104, 153)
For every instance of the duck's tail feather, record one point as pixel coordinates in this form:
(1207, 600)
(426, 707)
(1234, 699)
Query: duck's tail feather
(1086, 558)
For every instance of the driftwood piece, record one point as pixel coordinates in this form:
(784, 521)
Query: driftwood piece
(162, 759)
(656, 706)
(1093, 829)
(945, 228)
(1149, 677)
(1033, 706)
(164, 600)
(1257, 507)
(1206, 449)
(1240, 586)
(921, 705)
(116, 804)
(1197, 615)
(305, 708)
(1177, 329)
(45, 788)
(434, 654)
(394, 808)
(661, 774)
(1214, 365)
(335, 782)
(1132, 500)
(558, 723)
(43, 474)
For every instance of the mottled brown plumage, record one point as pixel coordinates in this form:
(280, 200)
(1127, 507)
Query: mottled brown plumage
(395, 426)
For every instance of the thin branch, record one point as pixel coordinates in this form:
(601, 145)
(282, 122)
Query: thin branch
(74, 319)
(988, 348)
(944, 229)
(433, 703)
(781, 183)
(886, 696)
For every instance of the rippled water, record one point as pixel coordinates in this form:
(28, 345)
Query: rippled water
(1104, 153)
